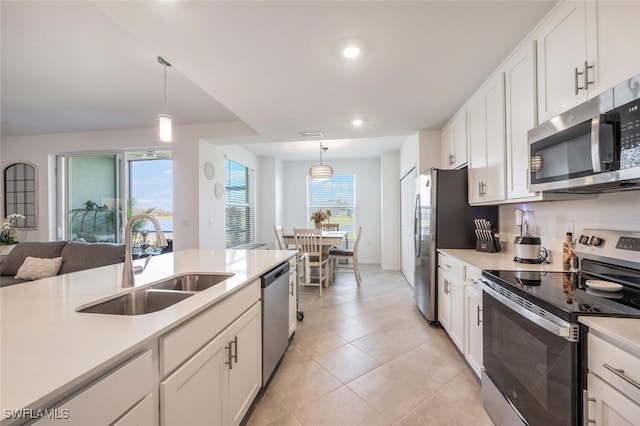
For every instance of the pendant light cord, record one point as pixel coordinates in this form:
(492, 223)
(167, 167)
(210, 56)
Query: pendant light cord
(166, 64)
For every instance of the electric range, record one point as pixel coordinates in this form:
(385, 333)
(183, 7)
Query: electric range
(533, 346)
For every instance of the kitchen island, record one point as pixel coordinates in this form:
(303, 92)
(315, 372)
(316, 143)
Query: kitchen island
(49, 351)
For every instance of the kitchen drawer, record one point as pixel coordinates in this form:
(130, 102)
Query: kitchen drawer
(109, 397)
(178, 345)
(472, 277)
(601, 352)
(452, 266)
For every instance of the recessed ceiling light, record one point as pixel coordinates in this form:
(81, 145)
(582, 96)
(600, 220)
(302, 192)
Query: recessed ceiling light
(351, 52)
(357, 122)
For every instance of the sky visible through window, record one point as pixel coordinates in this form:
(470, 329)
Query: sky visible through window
(152, 186)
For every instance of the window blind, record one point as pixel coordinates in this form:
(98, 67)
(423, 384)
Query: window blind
(240, 205)
(337, 194)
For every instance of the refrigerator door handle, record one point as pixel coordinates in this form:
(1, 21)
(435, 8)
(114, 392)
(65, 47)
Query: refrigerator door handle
(416, 227)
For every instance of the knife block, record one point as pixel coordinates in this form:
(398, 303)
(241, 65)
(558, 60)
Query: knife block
(486, 246)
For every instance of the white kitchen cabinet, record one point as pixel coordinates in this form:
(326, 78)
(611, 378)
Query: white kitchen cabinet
(454, 142)
(617, 38)
(451, 298)
(520, 108)
(218, 383)
(144, 413)
(473, 316)
(487, 143)
(245, 373)
(123, 388)
(562, 52)
(608, 406)
(584, 48)
(293, 296)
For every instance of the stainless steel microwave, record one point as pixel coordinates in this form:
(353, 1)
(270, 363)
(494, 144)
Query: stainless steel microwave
(594, 147)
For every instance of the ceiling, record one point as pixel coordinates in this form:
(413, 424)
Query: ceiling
(81, 66)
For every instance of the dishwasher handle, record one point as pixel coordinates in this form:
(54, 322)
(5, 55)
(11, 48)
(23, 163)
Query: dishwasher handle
(274, 274)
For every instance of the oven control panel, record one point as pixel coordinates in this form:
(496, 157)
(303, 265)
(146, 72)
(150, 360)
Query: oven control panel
(604, 243)
(628, 243)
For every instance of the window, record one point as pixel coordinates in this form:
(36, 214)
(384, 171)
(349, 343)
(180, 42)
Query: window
(338, 195)
(239, 200)
(20, 193)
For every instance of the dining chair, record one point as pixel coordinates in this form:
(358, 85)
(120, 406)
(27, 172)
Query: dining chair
(330, 226)
(343, 253)
(310, 241)
(279, 231)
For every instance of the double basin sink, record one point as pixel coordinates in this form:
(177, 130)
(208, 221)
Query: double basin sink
(157, 296)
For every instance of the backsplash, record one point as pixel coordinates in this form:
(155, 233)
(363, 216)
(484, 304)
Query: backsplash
(608, 211)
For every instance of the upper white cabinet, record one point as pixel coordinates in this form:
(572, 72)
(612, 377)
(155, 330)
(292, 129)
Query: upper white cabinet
(487, 143)
(520, 108)
(562, 55)
(617, 43)
(454, 142)
(584, 48)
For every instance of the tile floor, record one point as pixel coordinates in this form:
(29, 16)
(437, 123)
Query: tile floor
(365, 356)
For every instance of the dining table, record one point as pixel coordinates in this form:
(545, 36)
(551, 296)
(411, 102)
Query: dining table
(329, 238)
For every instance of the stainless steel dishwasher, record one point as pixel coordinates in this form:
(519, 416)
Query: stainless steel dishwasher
(275, 318)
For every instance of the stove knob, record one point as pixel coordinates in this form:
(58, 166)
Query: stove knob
(584, 239)
(597, 241)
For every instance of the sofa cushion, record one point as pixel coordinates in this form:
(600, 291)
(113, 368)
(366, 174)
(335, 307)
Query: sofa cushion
(36, 268)
(46, 250)
(79, 256)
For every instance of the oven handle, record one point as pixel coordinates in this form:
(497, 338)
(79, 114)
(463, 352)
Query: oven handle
(595, 144)
(558, 327)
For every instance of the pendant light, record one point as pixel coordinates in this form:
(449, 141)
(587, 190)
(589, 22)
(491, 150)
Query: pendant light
(164, 119)
(321, 172)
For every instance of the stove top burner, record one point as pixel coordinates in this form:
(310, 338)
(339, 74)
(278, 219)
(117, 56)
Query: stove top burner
(565, 294)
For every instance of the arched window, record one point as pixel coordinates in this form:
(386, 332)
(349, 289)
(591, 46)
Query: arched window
(21, 193)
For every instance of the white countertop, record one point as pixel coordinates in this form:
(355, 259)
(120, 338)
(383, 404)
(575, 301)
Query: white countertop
(623, 332)
(46, 347)
(500, 261)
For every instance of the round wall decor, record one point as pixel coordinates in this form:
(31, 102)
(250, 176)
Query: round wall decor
(209, 170)
(218, 189)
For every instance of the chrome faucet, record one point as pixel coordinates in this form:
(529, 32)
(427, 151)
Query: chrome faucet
(128, 278)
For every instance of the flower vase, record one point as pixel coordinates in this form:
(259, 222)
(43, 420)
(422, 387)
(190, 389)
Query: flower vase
(318, 225)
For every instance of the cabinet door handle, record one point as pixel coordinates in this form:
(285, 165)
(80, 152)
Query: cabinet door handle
(620, 373)
(451, 159)
(446, 287)
(291, 292)
(576, 74)
(478, 310)
(235, 347)
(229, 360)
(587, 67)
(585, 407)
(472, 281)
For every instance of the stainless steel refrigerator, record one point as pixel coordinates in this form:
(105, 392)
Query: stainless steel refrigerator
(443, 219)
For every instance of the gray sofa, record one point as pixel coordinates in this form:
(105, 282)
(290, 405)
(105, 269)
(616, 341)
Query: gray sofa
(76, 256)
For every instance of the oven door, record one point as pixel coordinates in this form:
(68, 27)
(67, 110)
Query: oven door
(528, 360)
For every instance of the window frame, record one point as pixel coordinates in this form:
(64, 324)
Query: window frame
(335, 207)
(233, 237)
(21, 223)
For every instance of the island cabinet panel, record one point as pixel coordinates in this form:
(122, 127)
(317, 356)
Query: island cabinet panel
(111, 397)
(144, 413)
(293, 296)
(178, 345)
(198, 392)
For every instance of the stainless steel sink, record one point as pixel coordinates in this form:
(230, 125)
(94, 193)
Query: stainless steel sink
(138, 302)
(193, 282)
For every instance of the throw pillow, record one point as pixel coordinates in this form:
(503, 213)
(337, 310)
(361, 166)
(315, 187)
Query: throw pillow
(35, 268)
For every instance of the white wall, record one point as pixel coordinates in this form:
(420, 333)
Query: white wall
(271, 187)
(409, 155)
(211, 224)
(390, 210)
(608, 211)
(41, 150)
(368, 200)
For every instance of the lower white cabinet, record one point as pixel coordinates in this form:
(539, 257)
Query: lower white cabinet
(608, 406)
(114, 397)
(473, 328)
(217, 385)
(293, 296)
(451, 306)
(613, 390)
